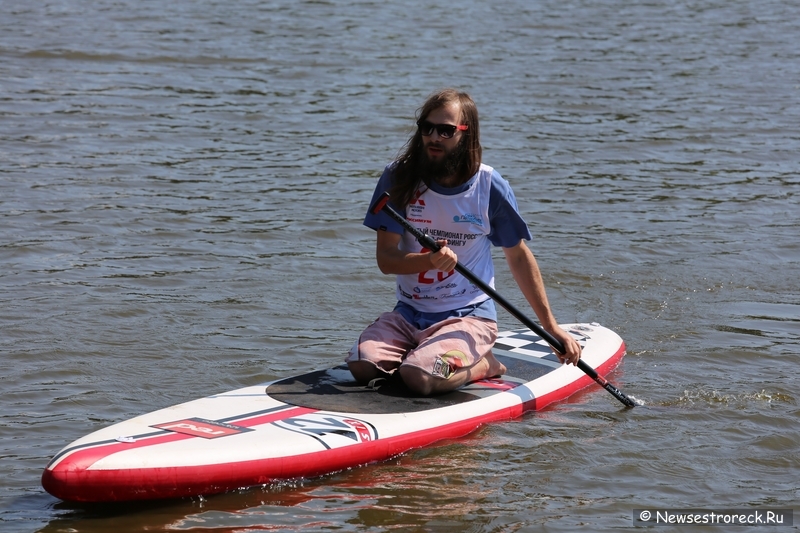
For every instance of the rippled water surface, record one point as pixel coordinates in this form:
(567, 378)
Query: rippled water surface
(181, 192)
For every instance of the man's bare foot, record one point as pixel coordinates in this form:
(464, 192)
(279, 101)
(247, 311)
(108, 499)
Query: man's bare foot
(496, 368)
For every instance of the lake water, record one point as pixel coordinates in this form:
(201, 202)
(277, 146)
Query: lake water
(182, 186)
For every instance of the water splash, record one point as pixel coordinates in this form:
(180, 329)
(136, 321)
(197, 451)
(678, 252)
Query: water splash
(715, 397)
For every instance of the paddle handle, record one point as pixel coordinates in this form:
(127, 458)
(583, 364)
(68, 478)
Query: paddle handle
(382, 204)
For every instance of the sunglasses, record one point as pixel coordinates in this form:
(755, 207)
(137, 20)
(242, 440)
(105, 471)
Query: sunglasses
(445, 131)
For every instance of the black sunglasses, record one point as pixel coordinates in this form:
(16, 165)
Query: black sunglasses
(445, 131)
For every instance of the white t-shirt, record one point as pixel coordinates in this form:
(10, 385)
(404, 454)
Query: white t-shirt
(471, 217)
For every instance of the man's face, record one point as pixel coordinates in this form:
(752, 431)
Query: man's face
(442, 156)
(437, 148)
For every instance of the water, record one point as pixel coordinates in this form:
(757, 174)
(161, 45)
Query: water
(181, 191)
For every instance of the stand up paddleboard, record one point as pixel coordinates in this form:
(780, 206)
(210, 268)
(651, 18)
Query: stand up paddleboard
(310, 425)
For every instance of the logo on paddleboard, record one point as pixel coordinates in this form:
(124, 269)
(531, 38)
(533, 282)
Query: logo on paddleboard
(201, 427)
(333, 431)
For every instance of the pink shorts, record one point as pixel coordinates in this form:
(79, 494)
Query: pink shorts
(439, 350)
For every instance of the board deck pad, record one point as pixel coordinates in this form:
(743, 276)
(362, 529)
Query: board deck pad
(310, 425)
(335, 389)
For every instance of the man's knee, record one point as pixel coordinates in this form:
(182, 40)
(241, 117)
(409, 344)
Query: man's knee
(363, 371)
(418, 381)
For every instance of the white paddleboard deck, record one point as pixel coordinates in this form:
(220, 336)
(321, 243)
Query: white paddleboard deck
(310, 425)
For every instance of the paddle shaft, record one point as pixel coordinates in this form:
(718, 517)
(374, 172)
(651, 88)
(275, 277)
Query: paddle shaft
(382, 204)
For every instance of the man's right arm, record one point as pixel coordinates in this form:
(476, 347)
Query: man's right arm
(392, 260)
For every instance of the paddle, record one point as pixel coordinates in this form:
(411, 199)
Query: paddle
(382, 204)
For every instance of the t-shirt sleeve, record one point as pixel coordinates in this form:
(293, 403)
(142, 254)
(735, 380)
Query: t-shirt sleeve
(507, 225)
(382, 221)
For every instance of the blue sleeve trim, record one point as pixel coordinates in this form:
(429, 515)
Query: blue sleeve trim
(382, 221)
(508, 226)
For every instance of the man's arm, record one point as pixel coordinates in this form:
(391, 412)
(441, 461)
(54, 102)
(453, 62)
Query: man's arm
(526, 273)
(392, 260)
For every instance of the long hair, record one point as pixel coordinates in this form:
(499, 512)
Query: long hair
(406, 178)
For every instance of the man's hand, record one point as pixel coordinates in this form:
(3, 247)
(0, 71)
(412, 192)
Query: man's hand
(445, 259)
(572, 349)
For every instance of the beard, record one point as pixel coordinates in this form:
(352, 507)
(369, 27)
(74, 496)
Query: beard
(440, 170)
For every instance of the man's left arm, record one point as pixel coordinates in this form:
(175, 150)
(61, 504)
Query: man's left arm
(525, 270)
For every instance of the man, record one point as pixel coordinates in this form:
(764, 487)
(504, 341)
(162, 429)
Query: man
(440, 334)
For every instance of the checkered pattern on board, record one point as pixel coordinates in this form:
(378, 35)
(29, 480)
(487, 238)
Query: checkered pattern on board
(525, 341)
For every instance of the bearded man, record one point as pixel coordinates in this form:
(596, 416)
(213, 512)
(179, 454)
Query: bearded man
(441, 332)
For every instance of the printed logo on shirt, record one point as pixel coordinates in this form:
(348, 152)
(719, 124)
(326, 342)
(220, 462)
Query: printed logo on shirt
(404, 293)
(454, 295)
(416, 206)
(423, 297)
(416, 199)
(469, 218)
